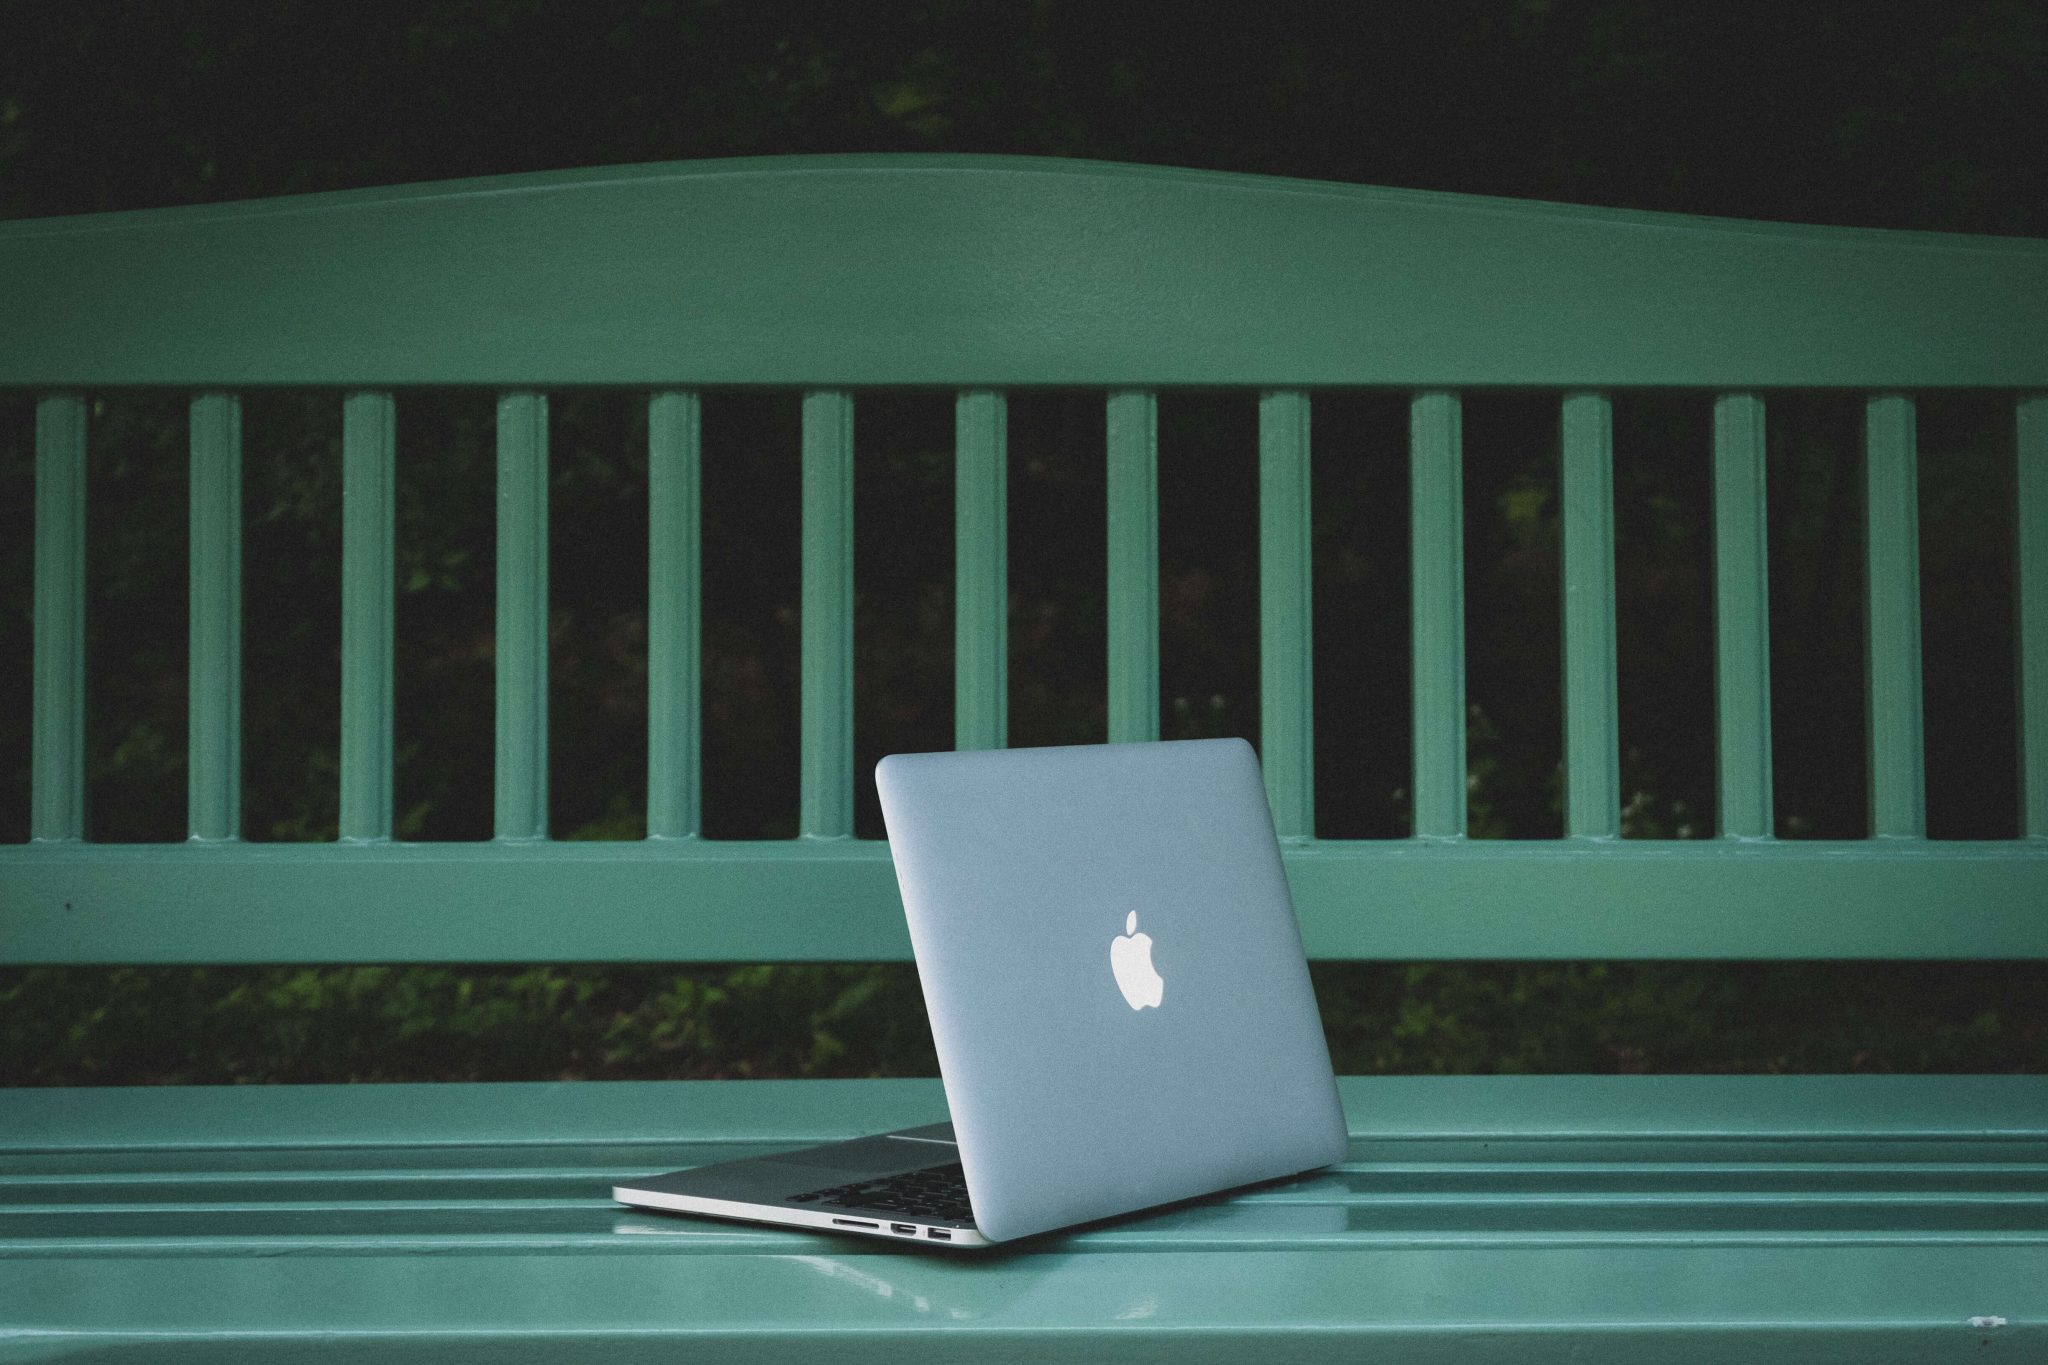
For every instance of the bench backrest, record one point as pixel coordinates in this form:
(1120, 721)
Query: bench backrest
(982, 275)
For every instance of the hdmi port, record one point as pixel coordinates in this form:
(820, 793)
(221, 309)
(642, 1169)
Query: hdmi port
(904, 1228)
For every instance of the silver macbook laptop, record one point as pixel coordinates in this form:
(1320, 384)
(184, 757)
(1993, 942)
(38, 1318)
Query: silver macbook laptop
(1118, 994)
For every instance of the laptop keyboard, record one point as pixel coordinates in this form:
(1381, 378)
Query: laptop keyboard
(936, 1193)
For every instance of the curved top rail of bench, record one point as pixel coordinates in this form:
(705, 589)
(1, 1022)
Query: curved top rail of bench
(1000, 271)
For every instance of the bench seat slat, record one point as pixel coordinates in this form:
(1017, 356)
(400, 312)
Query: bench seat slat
(1839, 1304)
(455, 1215)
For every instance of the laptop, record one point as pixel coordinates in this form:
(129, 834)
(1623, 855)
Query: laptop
(1117, 991)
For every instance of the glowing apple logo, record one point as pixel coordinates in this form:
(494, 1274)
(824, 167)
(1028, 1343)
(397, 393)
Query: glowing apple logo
(1130, 957)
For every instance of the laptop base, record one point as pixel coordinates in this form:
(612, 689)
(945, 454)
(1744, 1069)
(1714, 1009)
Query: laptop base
(901, 1186)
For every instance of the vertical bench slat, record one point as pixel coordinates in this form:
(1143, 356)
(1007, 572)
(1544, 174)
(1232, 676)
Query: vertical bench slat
(1898, 783)
(2031, 571)
(1742, 692)
(1592, 755)
(981, 697)
(522, 640)
(1133, 584)
(214, 659)
(1436, 452)
(825, 797)
(57, 766)
(674, 615)
(1286, 669)
(369, 546)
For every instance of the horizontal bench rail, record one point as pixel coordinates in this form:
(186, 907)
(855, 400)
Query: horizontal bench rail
(680, 900)
(987, 271)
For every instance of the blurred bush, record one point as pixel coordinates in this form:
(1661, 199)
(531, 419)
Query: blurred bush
(226, 1025)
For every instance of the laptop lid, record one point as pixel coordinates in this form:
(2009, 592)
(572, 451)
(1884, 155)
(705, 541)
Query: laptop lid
(1088, 1076)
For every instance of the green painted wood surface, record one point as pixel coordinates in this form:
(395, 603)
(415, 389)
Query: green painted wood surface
(981, 572)
(1592, 740)
(1626, 1218)
(825, 781)
(521, 769)
(1581, 1218)
(1742, 635)
(1286, 611)
(675, 615)
(214, 654)
(1891, 648)
(2031, 575)
(1132, 590)
(57, 761)
(972, 271)
(369, 537)
(1436, 550)
(836, 900)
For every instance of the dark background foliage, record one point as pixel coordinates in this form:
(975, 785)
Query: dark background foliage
(1923, 115)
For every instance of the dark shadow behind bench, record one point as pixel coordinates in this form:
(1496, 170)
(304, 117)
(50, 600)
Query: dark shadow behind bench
(1698, 1217)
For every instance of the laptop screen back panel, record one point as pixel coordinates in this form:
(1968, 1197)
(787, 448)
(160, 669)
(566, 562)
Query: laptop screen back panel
(1074, 1095)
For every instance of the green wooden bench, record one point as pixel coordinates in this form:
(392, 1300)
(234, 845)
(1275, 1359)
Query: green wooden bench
(1590, 1218)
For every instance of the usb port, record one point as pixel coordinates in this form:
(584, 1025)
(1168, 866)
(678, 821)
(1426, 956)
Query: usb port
(904, 1228)
(938, 1234)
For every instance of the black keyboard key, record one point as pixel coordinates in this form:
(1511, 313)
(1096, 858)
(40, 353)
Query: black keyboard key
(935, 1192)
